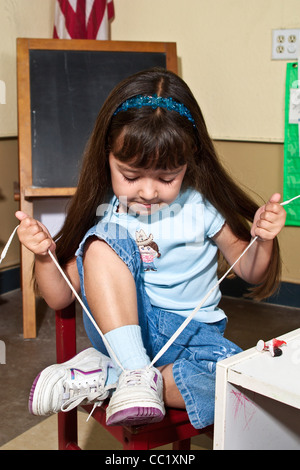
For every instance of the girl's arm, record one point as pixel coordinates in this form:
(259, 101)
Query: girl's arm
(267, 223)
(52, 286)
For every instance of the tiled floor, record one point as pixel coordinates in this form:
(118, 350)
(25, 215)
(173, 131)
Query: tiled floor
(248, 322)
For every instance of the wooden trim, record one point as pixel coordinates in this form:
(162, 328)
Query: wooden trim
(171, 56)
(33, 192)
(96, 45)
(24, 117)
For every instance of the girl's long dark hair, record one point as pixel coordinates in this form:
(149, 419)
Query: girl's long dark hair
(157, 138)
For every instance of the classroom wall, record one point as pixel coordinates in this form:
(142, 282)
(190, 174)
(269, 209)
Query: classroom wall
(8, 206)
(258, 168)
(224, 50)
(224, 54)
(18, 18)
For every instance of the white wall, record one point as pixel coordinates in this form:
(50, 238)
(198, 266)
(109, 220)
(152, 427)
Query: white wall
(224, 47)
(225, 51)
(18, 18)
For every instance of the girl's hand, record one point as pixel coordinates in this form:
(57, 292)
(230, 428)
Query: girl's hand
(269, 219)
(34, 235)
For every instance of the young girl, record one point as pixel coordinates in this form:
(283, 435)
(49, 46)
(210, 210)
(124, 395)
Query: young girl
(150, 178)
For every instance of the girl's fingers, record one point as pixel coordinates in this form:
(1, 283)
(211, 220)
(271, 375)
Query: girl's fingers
(21, 215)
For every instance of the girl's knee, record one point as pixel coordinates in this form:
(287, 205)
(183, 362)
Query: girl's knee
(112, 243)
(96, 247)
(119, 240)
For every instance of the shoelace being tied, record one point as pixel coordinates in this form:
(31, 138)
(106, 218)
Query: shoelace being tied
(89, 390)
(86, 391)
(182, 326)
(134, 377)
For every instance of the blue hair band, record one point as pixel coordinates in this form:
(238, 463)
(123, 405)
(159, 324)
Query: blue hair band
(154, 102)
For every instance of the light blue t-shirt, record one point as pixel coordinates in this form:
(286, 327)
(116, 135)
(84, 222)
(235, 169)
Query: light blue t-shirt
(178, 256)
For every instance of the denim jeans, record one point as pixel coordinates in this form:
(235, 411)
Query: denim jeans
(195, 352)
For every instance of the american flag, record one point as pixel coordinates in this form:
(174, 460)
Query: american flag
(82, 19)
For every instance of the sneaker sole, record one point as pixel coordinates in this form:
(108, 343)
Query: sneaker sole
(41, 382)
(135, 416)
(31, 394)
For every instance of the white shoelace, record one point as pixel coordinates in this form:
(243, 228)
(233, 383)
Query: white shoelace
(76, 394)
(108, 347)
(89, 392)
(182, 326)
(191, 316)
(134, 377)
(5, 249)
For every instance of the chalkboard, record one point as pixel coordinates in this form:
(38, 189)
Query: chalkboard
(62, 85)
(67, 90)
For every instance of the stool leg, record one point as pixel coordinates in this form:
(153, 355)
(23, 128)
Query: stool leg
(67, 430)
(65, 349)
(65, 321)
(185, 444)
(135, 444)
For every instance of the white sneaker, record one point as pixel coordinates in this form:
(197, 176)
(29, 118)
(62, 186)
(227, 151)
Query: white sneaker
(138, 398)
(62, 387)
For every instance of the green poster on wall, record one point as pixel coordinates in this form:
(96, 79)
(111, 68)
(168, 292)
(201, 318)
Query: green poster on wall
(291, 170)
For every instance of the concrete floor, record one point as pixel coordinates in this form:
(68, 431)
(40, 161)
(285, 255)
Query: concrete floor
(248, 322)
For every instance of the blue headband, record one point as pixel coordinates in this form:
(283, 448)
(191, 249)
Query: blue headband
(155, 102)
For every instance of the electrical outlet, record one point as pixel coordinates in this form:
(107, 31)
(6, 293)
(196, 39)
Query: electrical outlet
(285, 44)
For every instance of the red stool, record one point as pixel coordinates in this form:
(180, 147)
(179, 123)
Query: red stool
(175, 428)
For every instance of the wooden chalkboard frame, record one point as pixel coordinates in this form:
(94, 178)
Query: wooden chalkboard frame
(27, 192)
(24, 46)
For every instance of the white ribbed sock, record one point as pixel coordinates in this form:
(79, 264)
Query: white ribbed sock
(126, 342)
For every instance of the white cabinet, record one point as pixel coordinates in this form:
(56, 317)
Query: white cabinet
(258, 399)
